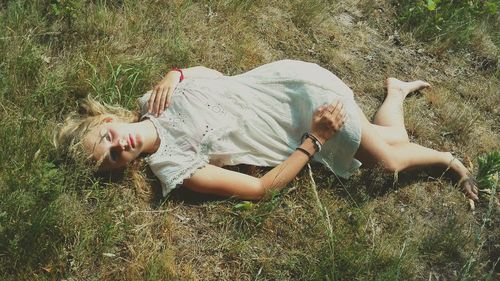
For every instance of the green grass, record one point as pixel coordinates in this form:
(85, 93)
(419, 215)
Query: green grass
(457, 25)
(58, 221)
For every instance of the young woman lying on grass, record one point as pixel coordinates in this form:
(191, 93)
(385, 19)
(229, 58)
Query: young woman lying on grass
(281, 114)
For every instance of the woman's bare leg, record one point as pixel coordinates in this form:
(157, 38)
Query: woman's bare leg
(391, 135)
(403, 156)
(391, 114)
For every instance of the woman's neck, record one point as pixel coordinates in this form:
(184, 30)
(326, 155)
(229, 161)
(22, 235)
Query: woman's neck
(151, 140)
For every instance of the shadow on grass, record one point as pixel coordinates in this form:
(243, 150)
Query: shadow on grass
(187, 197)
(367, 184)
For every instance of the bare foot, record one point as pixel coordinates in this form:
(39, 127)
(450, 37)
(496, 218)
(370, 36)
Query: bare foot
(395, 86)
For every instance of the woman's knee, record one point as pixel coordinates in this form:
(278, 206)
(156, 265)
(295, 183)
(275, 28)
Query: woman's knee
(382, 157)
(392, 135)
(378, 155)
(392, 164)
(374, 150)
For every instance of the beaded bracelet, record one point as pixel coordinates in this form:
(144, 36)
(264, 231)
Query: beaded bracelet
(178, 70)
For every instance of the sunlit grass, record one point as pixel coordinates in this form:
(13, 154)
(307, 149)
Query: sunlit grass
(451, 23)
(57, 221)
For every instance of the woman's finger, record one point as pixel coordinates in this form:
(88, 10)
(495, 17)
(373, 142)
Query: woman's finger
(336, 107)
(337, 113)
(343, 112)
(340, 107)
(163, 99)
(330, 108)
(340, 115)
(320, 111)
(151, 100)
(471, 195)
(469, 187)
(169, 96)
(156, 106)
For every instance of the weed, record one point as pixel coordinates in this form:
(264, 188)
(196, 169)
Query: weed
(248, 217)
(66, 8)
(452, 23)
(120, 87)
(488, 178)
(488, 173)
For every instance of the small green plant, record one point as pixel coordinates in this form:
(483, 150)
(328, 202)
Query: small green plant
(244, 205)
(453, 23)
(67, 9)
(249, 216)
(488, 173)
(488, 177)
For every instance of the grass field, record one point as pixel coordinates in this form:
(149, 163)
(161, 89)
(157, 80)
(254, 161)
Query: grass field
(58, 222)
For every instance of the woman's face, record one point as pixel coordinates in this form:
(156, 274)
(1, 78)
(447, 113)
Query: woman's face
(115, 143)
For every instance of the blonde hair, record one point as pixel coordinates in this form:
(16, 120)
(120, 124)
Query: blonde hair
(69, 135)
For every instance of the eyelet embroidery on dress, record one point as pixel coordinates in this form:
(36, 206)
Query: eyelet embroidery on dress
(201, 157)
(167, 152)
(232, 99)
(187, 172)
(176, 119)
(207, 130)
(164, 151)
(216, 108)
(201, 161)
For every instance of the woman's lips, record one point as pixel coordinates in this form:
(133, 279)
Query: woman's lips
(131, 140)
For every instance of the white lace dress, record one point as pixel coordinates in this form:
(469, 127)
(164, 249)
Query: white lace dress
(254, 118)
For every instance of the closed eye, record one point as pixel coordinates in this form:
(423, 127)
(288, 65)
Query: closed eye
(105, 134)
(108, 136)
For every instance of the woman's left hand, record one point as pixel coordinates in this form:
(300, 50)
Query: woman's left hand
(162, 93)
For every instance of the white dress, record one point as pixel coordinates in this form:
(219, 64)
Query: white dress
(254, 118)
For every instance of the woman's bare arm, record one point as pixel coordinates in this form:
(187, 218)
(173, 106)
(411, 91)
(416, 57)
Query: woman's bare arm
(215, 180)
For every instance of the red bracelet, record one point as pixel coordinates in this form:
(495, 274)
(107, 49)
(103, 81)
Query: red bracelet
(179, 70)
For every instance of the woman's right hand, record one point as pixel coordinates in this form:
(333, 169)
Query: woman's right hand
(161, 94)
(328, 120)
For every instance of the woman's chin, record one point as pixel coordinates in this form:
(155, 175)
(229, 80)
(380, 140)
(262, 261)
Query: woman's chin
(138, 143)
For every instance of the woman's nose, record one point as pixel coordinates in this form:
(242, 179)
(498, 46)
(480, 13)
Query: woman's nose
(121, 144)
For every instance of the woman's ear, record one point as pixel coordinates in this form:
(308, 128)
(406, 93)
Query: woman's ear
(108, 119)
